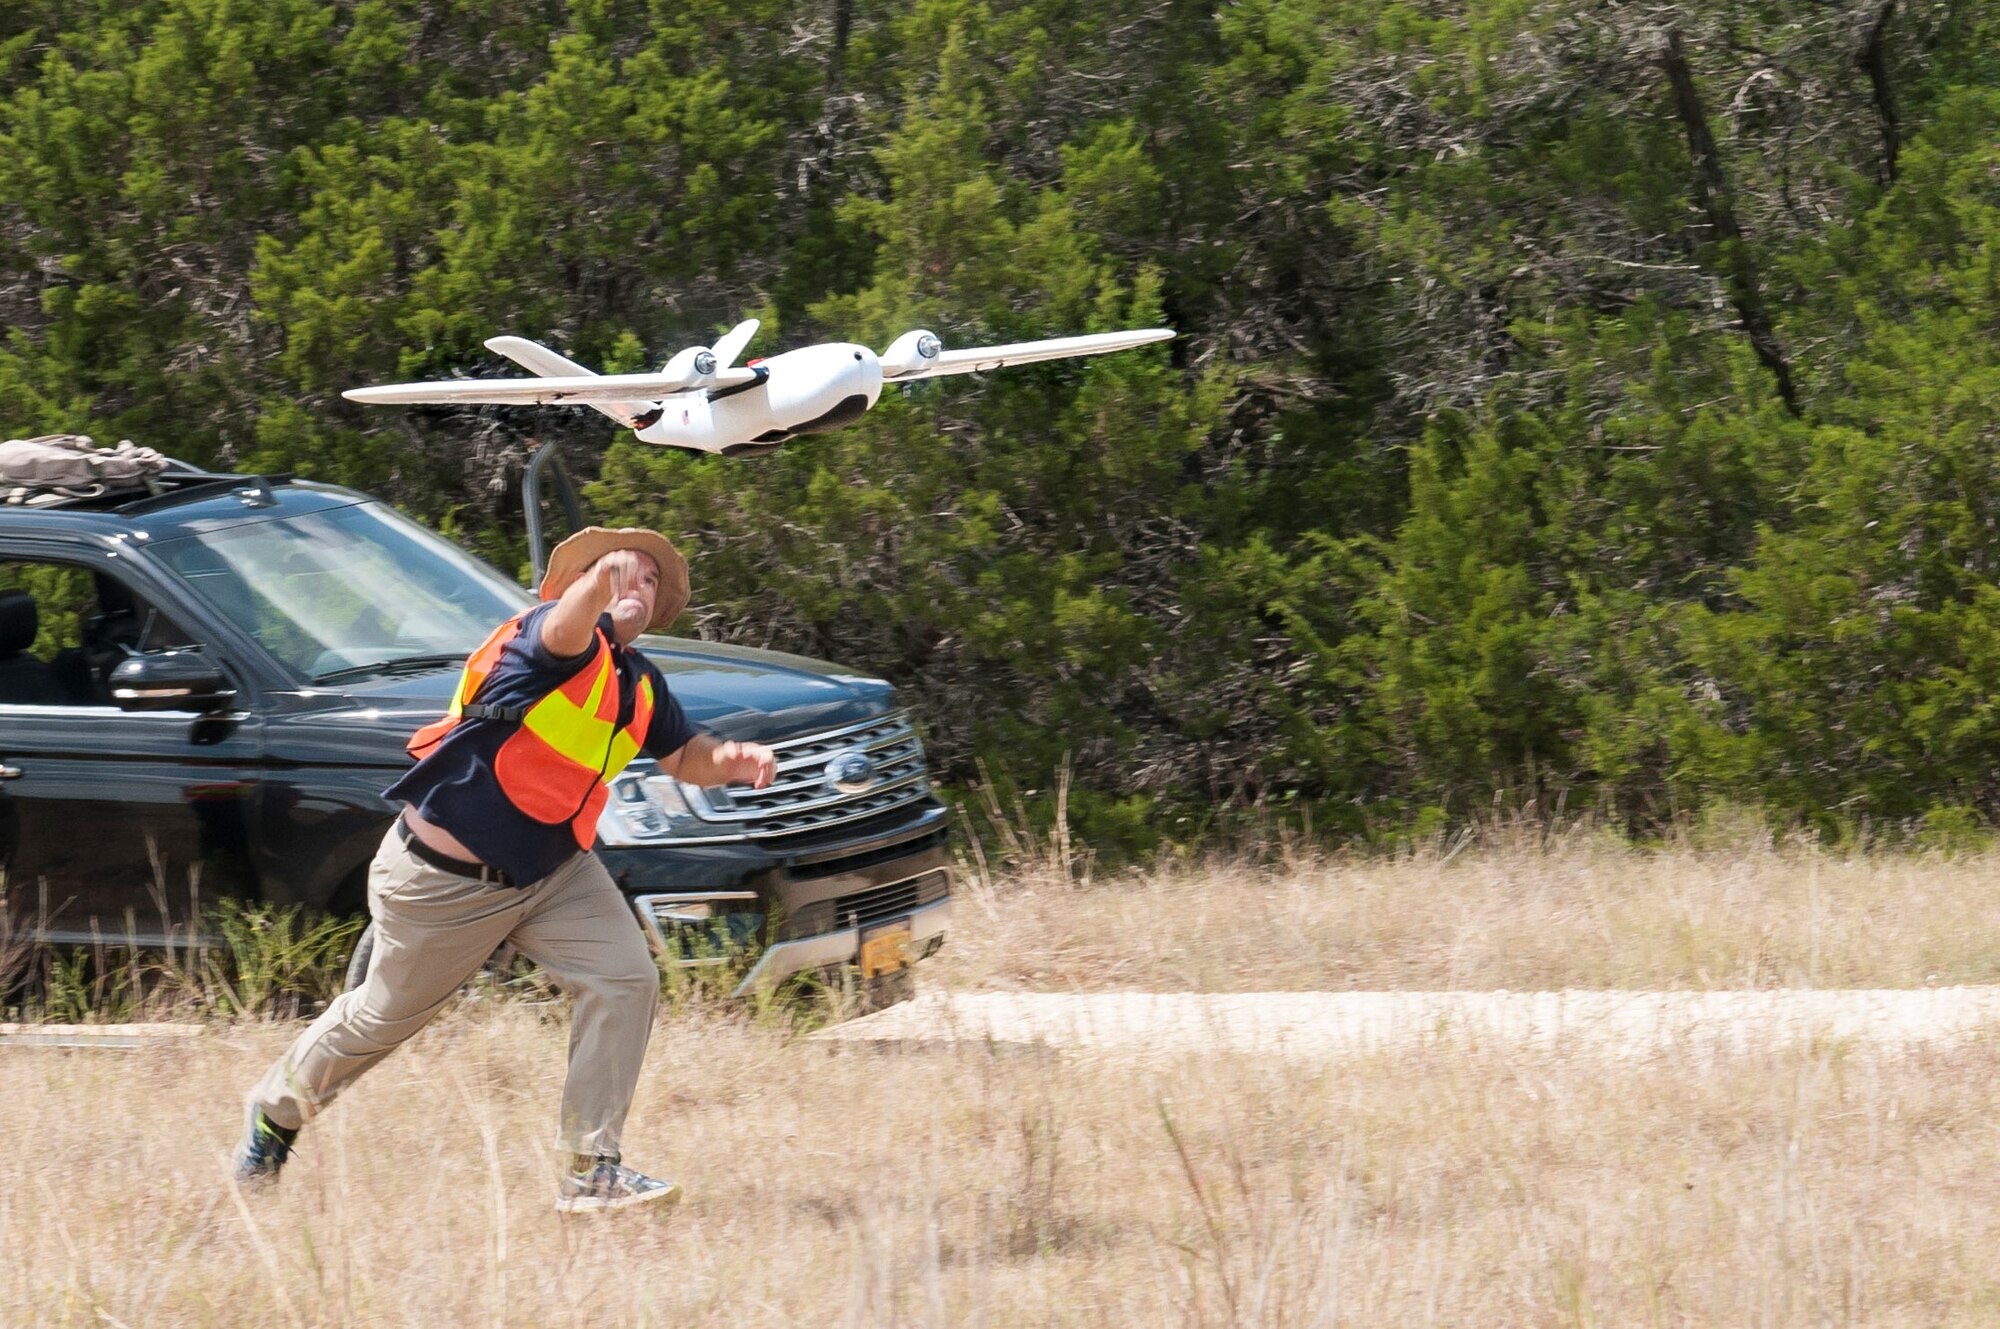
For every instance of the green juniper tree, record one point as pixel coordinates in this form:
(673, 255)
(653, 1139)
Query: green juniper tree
(1588, 407)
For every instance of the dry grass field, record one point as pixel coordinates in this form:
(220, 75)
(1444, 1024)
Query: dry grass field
(1519, 913)
(968, 1185)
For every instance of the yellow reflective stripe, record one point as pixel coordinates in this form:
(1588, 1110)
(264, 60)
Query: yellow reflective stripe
(578, 733)
(624, 747)
(468, 684)
(574, 731)
(463, 693)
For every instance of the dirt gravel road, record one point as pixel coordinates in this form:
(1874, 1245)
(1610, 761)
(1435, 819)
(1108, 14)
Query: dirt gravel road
(1332, 1024)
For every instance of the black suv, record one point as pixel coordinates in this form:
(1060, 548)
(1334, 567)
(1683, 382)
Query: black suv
(205, 689)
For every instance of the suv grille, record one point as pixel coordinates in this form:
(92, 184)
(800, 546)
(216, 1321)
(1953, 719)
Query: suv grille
(880, 761)
(865, 907)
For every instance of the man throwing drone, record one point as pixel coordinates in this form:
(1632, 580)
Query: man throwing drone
(493, 845)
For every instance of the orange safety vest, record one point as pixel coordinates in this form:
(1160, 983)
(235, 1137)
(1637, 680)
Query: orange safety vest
(556, 766)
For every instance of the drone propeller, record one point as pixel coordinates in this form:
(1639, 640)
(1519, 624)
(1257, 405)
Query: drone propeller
(700, 366)
(916, 355)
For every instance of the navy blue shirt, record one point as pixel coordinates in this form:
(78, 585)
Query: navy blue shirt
(453, 787)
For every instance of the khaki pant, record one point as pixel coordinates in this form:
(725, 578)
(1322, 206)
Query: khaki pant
(433, 929)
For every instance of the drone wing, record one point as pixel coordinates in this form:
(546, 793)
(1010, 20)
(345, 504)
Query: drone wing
(979, 359)
(574, 386)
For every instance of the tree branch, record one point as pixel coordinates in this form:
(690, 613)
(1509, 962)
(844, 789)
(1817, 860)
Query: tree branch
(1874, 61)
(1712, 196)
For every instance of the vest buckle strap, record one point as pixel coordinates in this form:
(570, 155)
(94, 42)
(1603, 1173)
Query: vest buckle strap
(481, 711)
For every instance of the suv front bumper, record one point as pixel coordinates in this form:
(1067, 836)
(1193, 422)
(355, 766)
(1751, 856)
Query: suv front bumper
(927, 928)
(663, 915)
(738, 899)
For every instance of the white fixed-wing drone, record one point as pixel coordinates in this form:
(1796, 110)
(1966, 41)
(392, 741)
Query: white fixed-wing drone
(701, 402)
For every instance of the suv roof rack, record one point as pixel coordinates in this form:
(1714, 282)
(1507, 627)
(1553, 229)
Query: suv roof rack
(183, 483)
(179, 482)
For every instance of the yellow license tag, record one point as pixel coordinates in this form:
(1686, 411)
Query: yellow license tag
(886, 949)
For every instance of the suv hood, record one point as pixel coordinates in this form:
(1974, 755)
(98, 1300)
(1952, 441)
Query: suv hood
(733, 691)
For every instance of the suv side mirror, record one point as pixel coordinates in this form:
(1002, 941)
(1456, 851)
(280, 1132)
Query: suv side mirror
(183, 680)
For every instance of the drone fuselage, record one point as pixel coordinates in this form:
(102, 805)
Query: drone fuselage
(807, 391)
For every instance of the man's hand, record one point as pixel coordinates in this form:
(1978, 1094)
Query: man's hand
(707, 762)
(626, 571)
(746, 763)
(622, 583)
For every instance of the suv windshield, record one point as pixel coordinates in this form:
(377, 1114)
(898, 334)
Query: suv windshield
(347, 592)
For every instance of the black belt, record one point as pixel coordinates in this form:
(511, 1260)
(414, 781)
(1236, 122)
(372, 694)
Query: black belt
(446, 863)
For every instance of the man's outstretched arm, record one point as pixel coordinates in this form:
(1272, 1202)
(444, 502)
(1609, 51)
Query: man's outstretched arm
(567, 629)
(709, 761)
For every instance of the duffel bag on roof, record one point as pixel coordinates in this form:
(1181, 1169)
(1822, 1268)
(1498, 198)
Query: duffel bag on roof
(60, 468)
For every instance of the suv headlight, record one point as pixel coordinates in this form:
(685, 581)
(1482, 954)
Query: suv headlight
(647, 806)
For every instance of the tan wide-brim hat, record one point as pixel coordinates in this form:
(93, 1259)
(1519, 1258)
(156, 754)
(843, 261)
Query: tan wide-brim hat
(574, 557)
